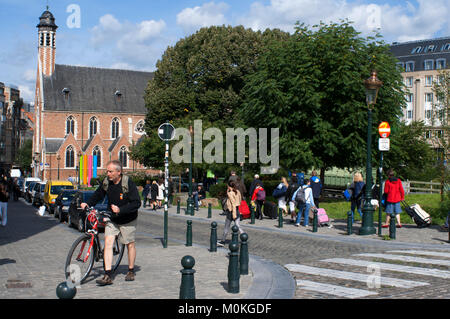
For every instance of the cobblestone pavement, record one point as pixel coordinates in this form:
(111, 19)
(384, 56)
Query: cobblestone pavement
(35, 255)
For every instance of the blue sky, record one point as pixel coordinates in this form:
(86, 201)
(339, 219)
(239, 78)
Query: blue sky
(134, 34)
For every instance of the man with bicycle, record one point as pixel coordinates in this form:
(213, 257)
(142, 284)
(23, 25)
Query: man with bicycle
(124, 202)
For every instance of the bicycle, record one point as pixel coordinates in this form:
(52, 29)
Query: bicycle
(88, 248)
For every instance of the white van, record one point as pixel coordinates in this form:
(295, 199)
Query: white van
(15, 172)
(27, 182)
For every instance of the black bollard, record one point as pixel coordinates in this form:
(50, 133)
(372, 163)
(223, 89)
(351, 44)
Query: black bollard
(349, 223)
(243, 255)
(209, 210)
(189, 233)
(392, 227)
(315, 221)
(66, 291)
(187, 287)
(280, 218)
(213, 238)
(252, 214)
(233, 269)
(178, 206)
(235, 234)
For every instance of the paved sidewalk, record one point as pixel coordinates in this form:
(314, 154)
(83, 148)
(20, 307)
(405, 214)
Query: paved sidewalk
(33, 250)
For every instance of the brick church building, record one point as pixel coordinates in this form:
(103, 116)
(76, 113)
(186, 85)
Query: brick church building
(83, 111)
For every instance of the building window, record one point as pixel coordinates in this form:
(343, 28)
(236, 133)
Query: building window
(409, 81)
(429, 80)
(428, 64)
(115, 128)
(409, 66)
(70, 125)
(139, 128)
(440, 64)
(428, 97)
(416, 50)
(446, 47)
(92, 126)
(123, 156)
(409, 97)
(438, 133)
(96, 152)
(70, 157)
(427, 134)
(428, 114)
(400, 66)
(429, 48)
(409, 114)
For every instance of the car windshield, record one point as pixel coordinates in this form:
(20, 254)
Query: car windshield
(89, 195)
(58, 188)
(68, 195)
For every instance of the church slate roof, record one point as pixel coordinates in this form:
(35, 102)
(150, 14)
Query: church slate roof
(52, 145)
(90, 89)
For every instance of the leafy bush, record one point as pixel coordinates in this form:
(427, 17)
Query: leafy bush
(218, 190)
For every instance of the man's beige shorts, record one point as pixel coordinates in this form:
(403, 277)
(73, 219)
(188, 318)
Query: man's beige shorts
(126, 232)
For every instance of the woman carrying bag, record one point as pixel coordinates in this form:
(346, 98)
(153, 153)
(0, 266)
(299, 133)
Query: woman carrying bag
(234, 199)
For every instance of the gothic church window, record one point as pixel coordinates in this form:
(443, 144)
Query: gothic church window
(115, 128)
(70, 157)
(96, 152)
(123, 156)
(70, 125)
(92, 126)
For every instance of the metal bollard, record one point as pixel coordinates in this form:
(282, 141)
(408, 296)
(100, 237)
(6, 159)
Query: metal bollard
(349, 223)
(187, 287)
(66, 291)
(189, 233)
(178, 206)
(235, 234)
(252, 214)
(233, 269)
(243, 255)
(392, 227)
(280, 218)
(315, 222)
(209, 210)
(213, 238)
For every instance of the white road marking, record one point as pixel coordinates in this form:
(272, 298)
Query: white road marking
(422, 252)
(392, 267)
(334, 290)
(408, 259)
(385, 281)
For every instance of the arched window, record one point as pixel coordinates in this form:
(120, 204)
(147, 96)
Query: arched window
(70, 125)
(96, 151)
(92, 126)
(70, 157)
(123, 156)
(115, 128)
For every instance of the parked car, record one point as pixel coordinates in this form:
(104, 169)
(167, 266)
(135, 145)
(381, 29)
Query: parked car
(177, 181)
(52, 190)
(37, 195)
(76, 216)
(62, 203)
(27, 181)
(29, 190)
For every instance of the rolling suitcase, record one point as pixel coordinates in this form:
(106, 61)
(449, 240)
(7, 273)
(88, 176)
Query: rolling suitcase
(420, 217)
(270, 210)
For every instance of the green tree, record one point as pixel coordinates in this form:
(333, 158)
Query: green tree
(311, 87)
(201, 78)
(24, 155)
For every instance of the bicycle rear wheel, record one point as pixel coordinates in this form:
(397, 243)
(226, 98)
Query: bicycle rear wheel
(78, 264)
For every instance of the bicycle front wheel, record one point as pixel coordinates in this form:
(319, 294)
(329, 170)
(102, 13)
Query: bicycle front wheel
(118, 250)
(80, 259)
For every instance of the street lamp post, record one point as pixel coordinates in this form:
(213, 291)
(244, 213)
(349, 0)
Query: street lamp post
(58, 159)
(372, 85)
(190, 200)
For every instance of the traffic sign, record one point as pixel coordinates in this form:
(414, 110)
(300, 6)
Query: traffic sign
(166, 132)
(384, 129)
(383, 144)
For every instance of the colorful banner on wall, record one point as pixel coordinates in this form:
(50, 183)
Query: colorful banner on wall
(88, 168)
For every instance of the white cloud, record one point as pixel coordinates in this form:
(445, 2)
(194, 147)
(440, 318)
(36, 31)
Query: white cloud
(400, 22)
(134, 43)
(30, 75)
(26, 93)
(191, 19)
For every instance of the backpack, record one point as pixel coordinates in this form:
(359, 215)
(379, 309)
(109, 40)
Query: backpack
(124, 182)
(261, 194)
(300, 197)
(279, 191)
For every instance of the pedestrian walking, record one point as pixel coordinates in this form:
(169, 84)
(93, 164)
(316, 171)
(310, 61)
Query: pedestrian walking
(279, 193)
(123, 202)
(4, 198)
(393, 188)
(145, 192)
(304, 208)
(153, 194)
(256, 181)
(293, 186)
(358, 188)
(316, 186)
(160, 196)
(234, 199)
(257, 199)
